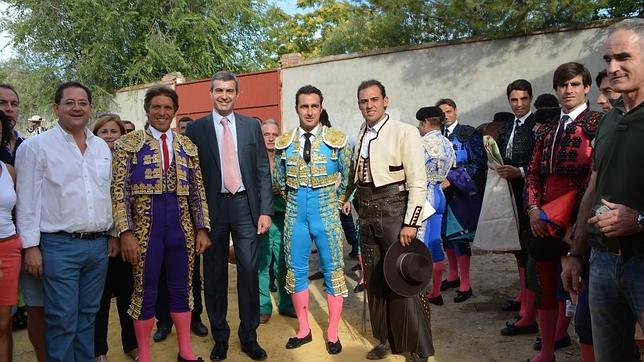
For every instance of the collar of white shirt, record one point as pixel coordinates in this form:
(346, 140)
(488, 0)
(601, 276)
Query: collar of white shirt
(216, 117)
(157, 134)
(313, 132)
(69, 137)
(451, 128)
(376, 128)
(575, 112)
(522, 119)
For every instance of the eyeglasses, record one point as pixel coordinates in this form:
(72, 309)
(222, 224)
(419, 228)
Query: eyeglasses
(80, 104)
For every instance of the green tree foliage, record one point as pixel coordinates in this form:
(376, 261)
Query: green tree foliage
(345, 26)
(110, 44)
(305, 32)
(36, 85)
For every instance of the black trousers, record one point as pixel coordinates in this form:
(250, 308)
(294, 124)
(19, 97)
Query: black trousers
(238, 224)
(120, 283)
(403, 321)
(162, 311)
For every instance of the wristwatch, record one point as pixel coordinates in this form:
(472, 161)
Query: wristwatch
(574, 255)
(640, 219)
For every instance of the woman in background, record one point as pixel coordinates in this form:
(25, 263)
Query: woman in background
(119, 281)
(10, 247)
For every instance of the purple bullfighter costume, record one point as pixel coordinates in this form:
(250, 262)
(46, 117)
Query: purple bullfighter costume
(163, 210)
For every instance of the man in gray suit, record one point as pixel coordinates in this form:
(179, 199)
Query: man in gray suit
(237, 178)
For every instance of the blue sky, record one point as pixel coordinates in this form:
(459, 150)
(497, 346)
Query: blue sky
(290, 6)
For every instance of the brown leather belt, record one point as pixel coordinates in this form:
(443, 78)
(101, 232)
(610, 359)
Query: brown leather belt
(82, 236)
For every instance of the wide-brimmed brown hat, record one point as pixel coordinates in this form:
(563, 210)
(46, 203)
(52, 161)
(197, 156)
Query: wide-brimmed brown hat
(408, 269)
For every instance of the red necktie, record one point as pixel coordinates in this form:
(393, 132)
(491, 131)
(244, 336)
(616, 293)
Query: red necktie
(166, 154)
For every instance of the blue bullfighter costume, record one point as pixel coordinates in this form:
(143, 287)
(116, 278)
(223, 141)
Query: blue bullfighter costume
(164, 210)
(464, 199)
(439, 159)
(314, 192)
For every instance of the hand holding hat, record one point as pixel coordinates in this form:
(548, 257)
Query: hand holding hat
(408, 269)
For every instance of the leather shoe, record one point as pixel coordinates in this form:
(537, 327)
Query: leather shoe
(437, 300)
(198, 328)
(359, 288)
(414, 357)
(511, 305)
(288, 314)
(219, 351)
(449, 284)
(264, 318)
(511, 329)
(161, 334)
(562, 343)
(181, 359)
(254, 351)
(462, 296)
(379, 352)
(134, 354)
(334, 347)
(295, 342)
(316, 275)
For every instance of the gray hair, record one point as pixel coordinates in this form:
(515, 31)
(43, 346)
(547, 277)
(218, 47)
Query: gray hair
(636, 25)
(270, 121)
(225, 76)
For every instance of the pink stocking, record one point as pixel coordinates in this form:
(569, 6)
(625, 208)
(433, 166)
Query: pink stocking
(464, 267)
(587, 352)
(143, 330)
(562, 322)
(335, 309)
(182, 322)
(548, 322)
(453, 267)
(437, 277)
(301, 306)
(530, 311)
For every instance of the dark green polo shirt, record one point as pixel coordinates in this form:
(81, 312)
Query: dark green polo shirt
(619, 162)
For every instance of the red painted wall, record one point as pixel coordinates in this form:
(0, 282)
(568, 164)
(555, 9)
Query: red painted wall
(259, 95)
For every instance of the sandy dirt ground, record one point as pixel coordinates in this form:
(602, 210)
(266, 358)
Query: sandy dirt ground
(468, 331)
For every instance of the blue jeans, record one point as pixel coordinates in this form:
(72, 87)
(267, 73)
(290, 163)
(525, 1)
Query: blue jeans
(616, 304)
(73, 278)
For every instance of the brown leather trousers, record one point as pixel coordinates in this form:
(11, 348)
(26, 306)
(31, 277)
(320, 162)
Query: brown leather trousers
(403, 321)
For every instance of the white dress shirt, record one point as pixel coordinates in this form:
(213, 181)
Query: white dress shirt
(170, 136)
(369, 134)
(301, 133)
(450, 129)
(61, 189)
(219, 132)
(508, 148)
(574, 114)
